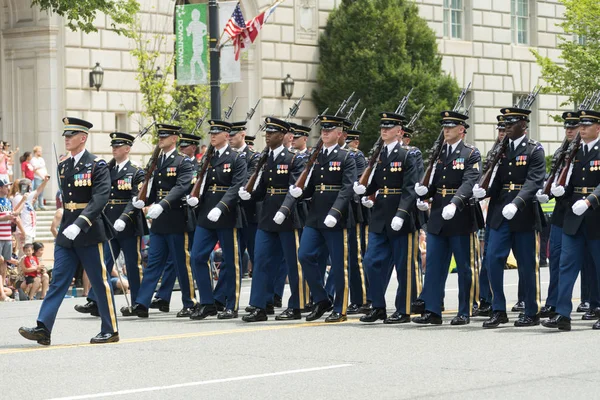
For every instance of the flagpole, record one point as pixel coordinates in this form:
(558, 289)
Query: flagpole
(215, 56)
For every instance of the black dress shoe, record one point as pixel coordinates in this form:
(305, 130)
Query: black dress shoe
(417, 307)
(202, 311)
(497, 318)
(336, 317)
(39, 334)
(289, 314)
(89, 308)
(308, 307)
(220, 306)
(374, 315)
(365, 308)
(256, 316)
(591, 315)
(527, 320)
(460, 320)
(519, 306)
(185, 312)
(103, 338)
(584, 306)
(548, 312)
(558, 321)
(140, 311)
(353, 309)
(596, 325)
(270, 309)
(160, 304)
(277, 301)
(484, 310)
(127, 311)
(428, 318)
(227, 314)
(397, 318)
(319, 309)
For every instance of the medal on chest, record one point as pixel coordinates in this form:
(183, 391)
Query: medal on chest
(226, 167)
(282, 169)
(396, 166)
(521, 160)
(171, 171)
(458, 163)
(335, 165)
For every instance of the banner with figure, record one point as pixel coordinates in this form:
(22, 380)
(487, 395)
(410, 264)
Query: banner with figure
(191, 30)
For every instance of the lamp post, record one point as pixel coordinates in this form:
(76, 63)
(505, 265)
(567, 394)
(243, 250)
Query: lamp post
(287, 87)
(96, 77)
(158, 75)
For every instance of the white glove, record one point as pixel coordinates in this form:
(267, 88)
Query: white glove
(449, 211)
(541, 197)
(192, 201)
(295, 191)
(397, 223)
(279, 218)
(420, 189)
(509, 211)
(579, 207)
(366, 202)
(154, 211)
(330, 221)
(244, 195)
(478, 192)
(214, 214)
(557, 190)
(359, 189)
(72, 231)
(119, 225)
(139, 204)
(422, 205)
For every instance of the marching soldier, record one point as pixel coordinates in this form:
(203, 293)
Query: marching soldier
(392, 237)
(353, 143)
(330, 187)
(452, 224)
(171, 222)
(85, 186)
(582, 217)
(188, 146)
(300, 138)
(278, 232)
(219, 218)
(513, 217)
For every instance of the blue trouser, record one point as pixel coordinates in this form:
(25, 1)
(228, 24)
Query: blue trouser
(37, 182)
(161, 245)
(524, 247)
(358, 279)
(167, 282)
(554, 264)
(589, 282)
(204, 243)
(247, 238)
(574, 248)
(439, 253)
(485, 294)
(131, 247)
(312, 245)
(66, 261)
(401, 251)
(270, 248)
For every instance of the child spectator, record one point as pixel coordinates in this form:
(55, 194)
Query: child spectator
(38, 252)
(30, 270)
(26, 167)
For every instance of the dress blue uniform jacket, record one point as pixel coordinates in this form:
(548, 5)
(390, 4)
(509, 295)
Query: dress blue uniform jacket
(561, 203)
(249, 207)
(88, 182)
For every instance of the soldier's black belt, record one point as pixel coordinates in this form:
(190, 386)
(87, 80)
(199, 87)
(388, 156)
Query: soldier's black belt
(386, 190)
(512, 186)
(115, 201)
(584, 190)
(75, 206)
(444, 192)
(272, 190)
(218, 189)
(329, 188)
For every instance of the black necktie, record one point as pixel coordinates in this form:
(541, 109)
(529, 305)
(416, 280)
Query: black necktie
(512, 147)
(384, 154)
(71, 163)
(585, 150)
(272, 158)
(325, 152)
(217, 154)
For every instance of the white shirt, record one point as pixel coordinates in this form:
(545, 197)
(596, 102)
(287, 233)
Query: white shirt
(390, 147)
(242, 148)
(329, 149)
(121, 165)
(590, 145)
(39, 166)
(453, 146)
(77, 157)
(276, 152)
(167, 155)
(28, 215)
(517, 142)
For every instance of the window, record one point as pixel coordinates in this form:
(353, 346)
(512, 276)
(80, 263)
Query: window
(519, 26)
(453, 19)
(121, 122)
(580, 39)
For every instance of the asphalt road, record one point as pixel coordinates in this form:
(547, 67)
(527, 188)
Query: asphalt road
(166, 357)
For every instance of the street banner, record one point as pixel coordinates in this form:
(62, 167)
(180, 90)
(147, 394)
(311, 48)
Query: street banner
(191, 30)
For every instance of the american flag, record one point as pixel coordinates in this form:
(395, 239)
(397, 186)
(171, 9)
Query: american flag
(234, 28)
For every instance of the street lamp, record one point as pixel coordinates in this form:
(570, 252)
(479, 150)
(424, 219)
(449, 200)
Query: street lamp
(96, 77)
(287, 87)
(158, 75)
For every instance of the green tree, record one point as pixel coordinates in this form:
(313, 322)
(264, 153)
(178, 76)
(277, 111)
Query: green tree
(580, 52)
(381, 49)
(80, 14)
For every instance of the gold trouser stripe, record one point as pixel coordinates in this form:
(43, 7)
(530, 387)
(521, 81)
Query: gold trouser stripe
(345, 299)
(409, 274)
(366, 238)
(478, 269)
(472, 239)
(363, 283)
(237, 268)
(210, 274)
(419, 283)
(188, 266)
(109, 298)
(537, 275)
(306, 293)
(300, 276)
(139, 259)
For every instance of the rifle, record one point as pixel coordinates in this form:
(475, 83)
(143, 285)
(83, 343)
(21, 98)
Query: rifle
(415, 118)
(437, 145)
(344, 104)
(316, 119)
(403, 103)
(203, 167)
(352, 110)
(57, 172)
(144, 131)
(556, 164)
(373, 157)
(359, 119)
(301, 181)
(294, 108)
(200, 122)
(230, 109)
(493, 159)
(250, 112)
(175, 113)
(259, 166)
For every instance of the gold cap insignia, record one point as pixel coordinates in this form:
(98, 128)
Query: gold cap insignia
(269, 120)
(583, 113)
(384, 115)
(113, 135)
(507, 110)
(212, 122)
(569, 114)
(66, 121)
(447, 114)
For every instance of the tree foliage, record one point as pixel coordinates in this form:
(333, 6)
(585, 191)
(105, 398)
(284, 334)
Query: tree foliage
(580, 52)
(80, 14)
(381, 49)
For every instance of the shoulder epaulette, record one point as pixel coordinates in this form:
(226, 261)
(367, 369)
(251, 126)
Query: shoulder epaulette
(469, 145)
(242, 154)
(255, 155)
(300, 155)
(99, 159)
(351, 150)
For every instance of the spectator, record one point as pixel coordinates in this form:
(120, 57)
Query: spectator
(29, 266)
(4, 162)
(23, 200)
(6, 218)
(12, 271)
(38, 252)
(26, 167)
(201, 153)
(9, 160)
(40, 171)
